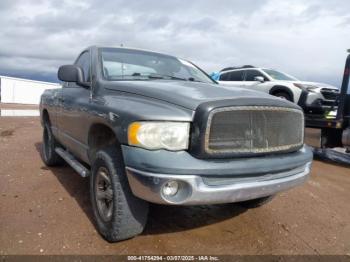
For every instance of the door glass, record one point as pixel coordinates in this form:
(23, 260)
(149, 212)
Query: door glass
(224, 77)
(251, 74)
(232, 76)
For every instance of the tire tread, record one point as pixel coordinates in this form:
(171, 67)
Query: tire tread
(130, 213)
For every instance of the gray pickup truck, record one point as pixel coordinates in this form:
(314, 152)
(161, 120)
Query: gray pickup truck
(150, 127)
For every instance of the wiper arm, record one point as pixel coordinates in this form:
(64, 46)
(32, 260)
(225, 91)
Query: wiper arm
(125, 76)
(184, 79)
(159, 76)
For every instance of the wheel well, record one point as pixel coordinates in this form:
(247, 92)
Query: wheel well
(281, 89)
(100, 136)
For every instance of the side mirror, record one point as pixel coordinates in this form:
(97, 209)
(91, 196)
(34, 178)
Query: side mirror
(259, 79)
(72, 73)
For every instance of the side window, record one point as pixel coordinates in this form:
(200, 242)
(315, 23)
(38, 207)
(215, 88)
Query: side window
(232, 76)
(84, 62)
(237, 75)
(251, 74)
(224, 77)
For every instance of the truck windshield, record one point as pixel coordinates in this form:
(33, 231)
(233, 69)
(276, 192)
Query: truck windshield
(279, 75)
(128, 64)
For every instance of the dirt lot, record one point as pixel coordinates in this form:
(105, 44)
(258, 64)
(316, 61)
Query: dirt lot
(17, 106)
(47, 211)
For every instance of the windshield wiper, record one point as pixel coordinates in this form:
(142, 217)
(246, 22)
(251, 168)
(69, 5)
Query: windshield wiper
(159, 76)
(154, 76)
(129, 77)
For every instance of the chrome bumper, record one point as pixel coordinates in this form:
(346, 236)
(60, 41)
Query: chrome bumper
(194, 191)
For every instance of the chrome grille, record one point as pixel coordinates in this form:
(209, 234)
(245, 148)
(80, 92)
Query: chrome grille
(254, 129)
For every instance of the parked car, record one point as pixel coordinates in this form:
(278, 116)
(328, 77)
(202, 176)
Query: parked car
(312, 97)
(149, 127)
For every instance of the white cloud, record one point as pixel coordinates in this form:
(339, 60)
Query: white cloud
(305, 39)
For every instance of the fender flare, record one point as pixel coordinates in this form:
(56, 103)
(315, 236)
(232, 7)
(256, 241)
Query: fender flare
(279, 88)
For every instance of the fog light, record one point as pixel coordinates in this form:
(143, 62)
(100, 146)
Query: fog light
(170, 188)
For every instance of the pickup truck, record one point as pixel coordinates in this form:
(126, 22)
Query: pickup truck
(150, 127)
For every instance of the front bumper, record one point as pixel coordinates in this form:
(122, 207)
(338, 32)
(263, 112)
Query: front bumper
(315, 103)
(194, 191)
(235, 182)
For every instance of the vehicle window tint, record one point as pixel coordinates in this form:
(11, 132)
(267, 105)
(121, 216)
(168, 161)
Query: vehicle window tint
(251, 74)
(84, 62)
(224, 77)
(232, 76)
(236, 76)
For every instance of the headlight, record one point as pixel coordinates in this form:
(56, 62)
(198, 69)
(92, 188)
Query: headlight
(309, 88)
(159, 135)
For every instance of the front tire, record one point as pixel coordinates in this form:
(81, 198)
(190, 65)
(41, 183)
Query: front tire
(118, 213)
(48, 153)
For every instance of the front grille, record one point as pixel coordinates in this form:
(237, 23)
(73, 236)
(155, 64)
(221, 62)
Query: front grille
(254, 129)
(329, 103)
(329, 94)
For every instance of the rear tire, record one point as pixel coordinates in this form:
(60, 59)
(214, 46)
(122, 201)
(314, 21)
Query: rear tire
(118, 213)
(283, 95)
(48, 153)
(254, 203)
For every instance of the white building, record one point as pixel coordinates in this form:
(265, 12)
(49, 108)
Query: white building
(22, 91)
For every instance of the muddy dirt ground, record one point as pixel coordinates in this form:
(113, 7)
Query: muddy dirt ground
(47, 211)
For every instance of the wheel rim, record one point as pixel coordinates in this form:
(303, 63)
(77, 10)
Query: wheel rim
(104, 194)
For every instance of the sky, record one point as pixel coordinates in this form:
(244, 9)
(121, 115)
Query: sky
(305, 38)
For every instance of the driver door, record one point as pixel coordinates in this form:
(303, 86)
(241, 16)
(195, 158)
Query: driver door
(250, 81)
(233, 78)
(73, 119)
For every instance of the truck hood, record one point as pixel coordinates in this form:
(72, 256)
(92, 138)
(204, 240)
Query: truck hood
(183, 93)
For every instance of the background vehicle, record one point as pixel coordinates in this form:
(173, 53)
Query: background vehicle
(312, 97)
(335, 130)
(149, 127)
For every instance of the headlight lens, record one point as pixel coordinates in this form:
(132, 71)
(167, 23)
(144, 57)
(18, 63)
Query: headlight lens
(159, 135)
(309, 88)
